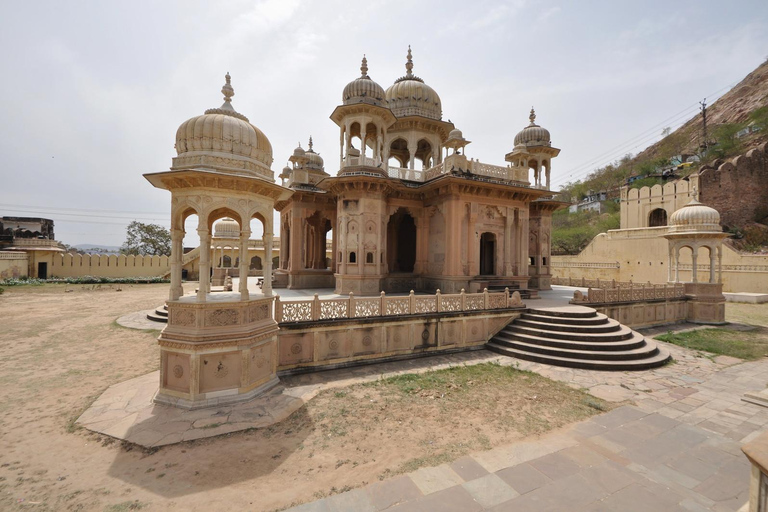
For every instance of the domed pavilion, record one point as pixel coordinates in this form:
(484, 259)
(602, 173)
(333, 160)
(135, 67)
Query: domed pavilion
(691, 228)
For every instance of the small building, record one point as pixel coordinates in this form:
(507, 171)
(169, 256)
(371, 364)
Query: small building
(32, 236)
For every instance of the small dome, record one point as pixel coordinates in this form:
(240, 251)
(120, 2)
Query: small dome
(299, 151)
(314, 160)
(410, 96)
(455, 134)
(286, 172)
(533, 134)
(226, 228)
(695, 217)
(222, 132)
(363, 89)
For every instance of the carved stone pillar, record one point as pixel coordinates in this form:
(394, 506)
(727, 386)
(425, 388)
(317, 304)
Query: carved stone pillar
(205, 264)
(421, 246)
(524, 233)
(412, 155)
(177, 237)
(473, 242)
(245, 234)
(694, 270)
(266, 287)
(508, 241)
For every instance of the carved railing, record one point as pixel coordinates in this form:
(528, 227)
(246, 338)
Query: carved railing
(613, 291)
(475, 167)
(412, 304)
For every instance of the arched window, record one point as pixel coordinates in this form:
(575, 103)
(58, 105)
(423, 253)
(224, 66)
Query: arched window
(352, 257)
(369, 257)
(657, 217)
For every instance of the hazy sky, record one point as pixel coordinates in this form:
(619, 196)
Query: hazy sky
(93, 91)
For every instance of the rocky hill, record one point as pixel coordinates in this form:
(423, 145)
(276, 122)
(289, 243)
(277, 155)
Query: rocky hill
(734, 107)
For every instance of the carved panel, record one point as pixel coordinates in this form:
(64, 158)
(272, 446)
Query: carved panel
(221, 317)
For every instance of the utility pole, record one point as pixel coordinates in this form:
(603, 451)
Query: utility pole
(704, 143)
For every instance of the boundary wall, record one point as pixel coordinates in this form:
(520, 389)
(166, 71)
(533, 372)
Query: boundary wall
(642, 255)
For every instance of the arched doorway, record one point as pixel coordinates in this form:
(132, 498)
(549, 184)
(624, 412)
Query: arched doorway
(255, 263)
(401, 242)
(488, 254)
(657, 217)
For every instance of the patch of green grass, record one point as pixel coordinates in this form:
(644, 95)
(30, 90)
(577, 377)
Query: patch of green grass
(126, 506)
(747, 345)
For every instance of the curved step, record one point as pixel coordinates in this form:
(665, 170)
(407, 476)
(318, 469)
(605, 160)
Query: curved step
(657, 360)
(645, 351)
(596, 320)
(608, 325)
(636, 341)
(622, 332)
(569, 312)
(157, 318)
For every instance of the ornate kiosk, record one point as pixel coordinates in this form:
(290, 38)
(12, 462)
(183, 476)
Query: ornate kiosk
(222, 347)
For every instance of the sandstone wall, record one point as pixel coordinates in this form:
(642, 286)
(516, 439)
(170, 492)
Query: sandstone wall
(641, 256)
(738, 188)
(13, 264)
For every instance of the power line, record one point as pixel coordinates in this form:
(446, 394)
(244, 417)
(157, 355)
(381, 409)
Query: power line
(80, 209)
(590, 164)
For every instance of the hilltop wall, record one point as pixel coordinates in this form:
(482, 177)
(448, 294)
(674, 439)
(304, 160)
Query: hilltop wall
(637, 204)
(737, 188)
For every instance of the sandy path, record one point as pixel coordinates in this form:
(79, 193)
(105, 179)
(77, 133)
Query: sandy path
(60, 350)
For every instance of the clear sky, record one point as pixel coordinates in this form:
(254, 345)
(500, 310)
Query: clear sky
(93, 91)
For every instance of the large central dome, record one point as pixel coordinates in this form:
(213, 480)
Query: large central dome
(410, 96)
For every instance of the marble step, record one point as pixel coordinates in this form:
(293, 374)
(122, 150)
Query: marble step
(659, 359)
(608, 325)
(598, 319)
(646, 350)
(621, 332)
(636, 341)
(566, 312)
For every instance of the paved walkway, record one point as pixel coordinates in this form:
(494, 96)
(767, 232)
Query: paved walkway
(677, 449)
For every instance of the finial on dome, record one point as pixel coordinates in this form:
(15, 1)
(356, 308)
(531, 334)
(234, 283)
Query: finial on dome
(409, 64)
(227, 90)
(310, 143)
(532, 116)
(364, 67)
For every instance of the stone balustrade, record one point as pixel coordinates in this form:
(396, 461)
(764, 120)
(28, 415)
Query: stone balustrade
(612, 291)
(475, 167)
(412, 304)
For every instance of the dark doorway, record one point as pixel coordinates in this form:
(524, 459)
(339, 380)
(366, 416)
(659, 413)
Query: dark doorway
(487, 254)
(42, 270)
(401, 237)
(658, 217)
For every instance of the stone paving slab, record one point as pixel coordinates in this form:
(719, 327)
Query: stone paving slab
(679, 467)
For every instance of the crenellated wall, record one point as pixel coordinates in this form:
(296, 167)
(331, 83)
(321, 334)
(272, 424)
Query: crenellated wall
(737, 188)
(637, 204)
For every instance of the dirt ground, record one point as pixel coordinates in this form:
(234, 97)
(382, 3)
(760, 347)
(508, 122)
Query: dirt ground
(59, 350)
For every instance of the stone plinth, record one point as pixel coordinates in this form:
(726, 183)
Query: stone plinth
(706, 303)
(217, 352)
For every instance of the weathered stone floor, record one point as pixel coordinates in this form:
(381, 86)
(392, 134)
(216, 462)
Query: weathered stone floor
(677, 449)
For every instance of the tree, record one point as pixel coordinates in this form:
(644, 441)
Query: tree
(149, 239)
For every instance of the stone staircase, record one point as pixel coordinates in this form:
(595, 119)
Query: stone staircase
(577, 337)
(159, 315)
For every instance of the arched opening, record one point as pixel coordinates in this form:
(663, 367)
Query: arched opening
(226, 261)
(398, 153)
(488, 254)
(657, 217)
(369, 257)
(424, 153)
(401, 242)
(315, 239)
(255, 263)
(353, 257)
